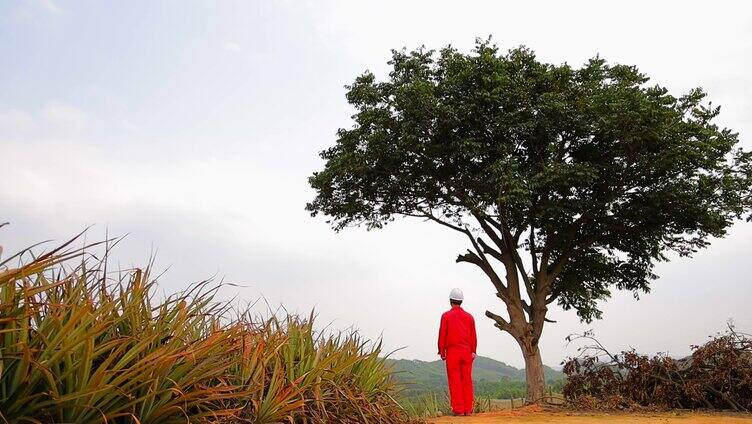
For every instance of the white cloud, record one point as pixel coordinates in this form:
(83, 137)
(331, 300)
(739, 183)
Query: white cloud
(15, 120)
(31, 10)
(52, 120)
(64, 115)
(231, 46)
(48, 5)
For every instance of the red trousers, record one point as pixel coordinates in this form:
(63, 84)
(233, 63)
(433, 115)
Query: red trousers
(459, 364)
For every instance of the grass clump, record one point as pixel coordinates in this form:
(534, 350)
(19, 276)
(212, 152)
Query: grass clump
(79, 345)
(435, 404)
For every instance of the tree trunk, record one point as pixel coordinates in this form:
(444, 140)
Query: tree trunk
(536, 380)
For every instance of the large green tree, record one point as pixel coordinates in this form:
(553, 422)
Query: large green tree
(568, 182)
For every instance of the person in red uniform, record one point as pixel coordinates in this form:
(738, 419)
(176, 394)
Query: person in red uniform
(457, 344)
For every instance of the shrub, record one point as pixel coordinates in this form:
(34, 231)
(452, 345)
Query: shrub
(718, 375)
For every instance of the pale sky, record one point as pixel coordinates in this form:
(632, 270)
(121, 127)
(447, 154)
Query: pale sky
(193, 126)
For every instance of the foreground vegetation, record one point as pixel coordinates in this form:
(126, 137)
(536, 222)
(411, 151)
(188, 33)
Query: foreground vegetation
(436, 404)
(79, 343)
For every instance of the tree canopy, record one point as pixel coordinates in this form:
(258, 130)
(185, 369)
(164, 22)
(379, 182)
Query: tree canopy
(593, 171)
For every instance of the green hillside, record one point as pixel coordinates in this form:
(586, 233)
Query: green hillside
(492, 378)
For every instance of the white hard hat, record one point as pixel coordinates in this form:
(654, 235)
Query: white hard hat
(456, 294)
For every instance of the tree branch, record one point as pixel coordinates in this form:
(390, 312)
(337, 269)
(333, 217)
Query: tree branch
(555, 293)
(429, 215)
(528, 284)
(473, 258)
(478, 258)
(490, 250)
(511, 249)
(533, 252)
(498, 240)
(559, 263)
(501, 323)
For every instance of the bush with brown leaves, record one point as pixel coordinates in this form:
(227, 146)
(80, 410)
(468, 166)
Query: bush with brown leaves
(718, 375)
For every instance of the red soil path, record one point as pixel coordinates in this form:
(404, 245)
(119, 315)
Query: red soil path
(535, 415)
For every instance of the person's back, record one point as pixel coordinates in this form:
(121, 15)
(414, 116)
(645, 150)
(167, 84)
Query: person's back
(457, 345)
(459, 329)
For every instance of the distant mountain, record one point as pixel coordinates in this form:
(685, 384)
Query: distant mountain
(423, 376)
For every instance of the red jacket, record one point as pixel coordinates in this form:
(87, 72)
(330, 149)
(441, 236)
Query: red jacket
(457, 329)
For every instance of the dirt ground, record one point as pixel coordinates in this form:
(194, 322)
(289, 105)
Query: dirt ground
(533, 415)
